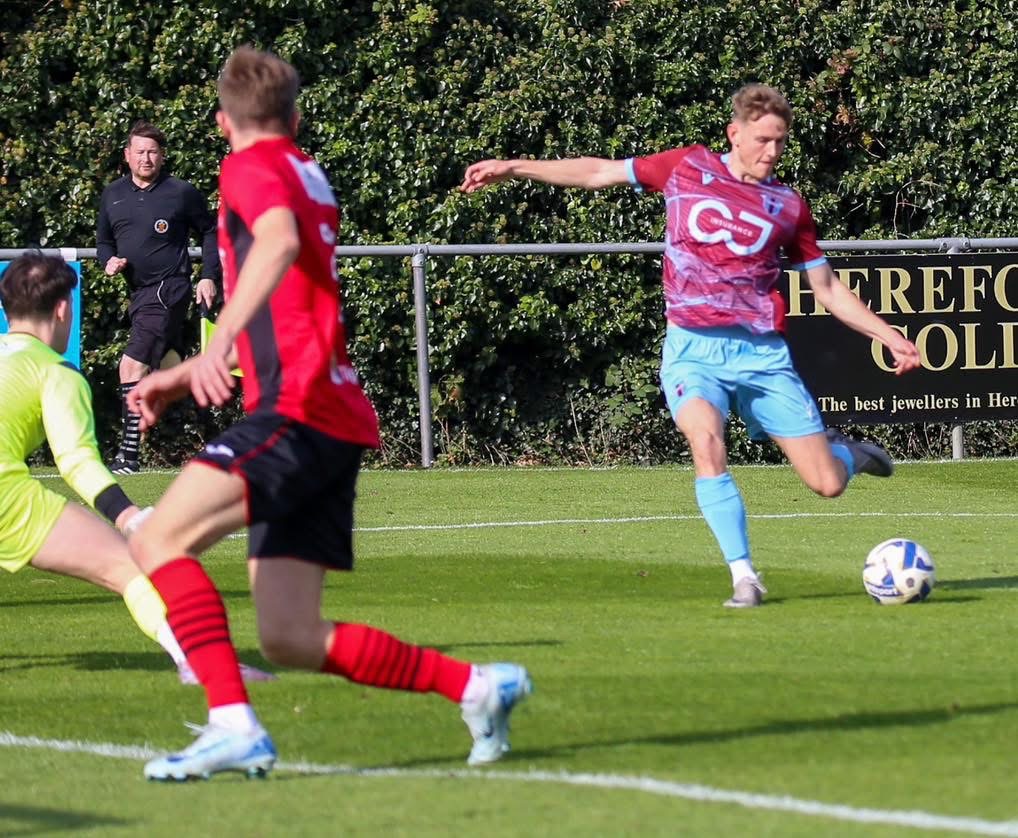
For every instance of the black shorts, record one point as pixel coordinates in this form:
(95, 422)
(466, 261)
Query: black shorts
(158, 313)
(300, 487)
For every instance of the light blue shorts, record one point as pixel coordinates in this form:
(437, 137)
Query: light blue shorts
(731, 367)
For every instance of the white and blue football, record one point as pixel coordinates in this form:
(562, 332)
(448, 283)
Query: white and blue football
(898, 571)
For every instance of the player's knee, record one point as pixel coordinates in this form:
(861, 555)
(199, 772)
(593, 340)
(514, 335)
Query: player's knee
(705, 445)
(828, 485)
(288, 646)
(277, 647)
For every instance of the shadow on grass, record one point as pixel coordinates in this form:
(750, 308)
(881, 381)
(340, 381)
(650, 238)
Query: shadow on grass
(32, 820)
(449, 648)
(98, 598)
(847, 722)
(107, 661)
(934, 598)
(976, 584)
(777, 600)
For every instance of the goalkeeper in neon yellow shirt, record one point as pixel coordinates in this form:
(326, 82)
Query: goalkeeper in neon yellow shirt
(45, 398)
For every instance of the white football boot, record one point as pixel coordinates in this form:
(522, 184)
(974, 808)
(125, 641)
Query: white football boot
(488, 717)
(216, 749)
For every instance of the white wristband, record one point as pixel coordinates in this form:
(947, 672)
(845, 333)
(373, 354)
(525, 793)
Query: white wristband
(137, 520)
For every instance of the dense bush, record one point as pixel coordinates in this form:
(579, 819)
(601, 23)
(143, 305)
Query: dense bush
(901, 131)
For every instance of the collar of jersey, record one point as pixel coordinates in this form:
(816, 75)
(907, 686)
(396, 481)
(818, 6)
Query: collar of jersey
(150, 187)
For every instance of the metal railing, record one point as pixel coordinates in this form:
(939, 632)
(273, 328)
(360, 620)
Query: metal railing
(420, 253)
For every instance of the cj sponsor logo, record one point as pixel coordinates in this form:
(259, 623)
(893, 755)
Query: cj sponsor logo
(711, 221)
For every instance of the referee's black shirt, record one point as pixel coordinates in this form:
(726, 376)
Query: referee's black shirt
(151, 227)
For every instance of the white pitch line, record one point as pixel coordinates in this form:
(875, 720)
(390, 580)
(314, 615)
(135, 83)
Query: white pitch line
(642, 519)
(646, 785)
(639, 519)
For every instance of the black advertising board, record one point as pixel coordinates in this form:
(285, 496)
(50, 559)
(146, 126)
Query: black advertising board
(960, 309)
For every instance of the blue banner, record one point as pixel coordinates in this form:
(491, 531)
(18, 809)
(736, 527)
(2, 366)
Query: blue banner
(73, 353)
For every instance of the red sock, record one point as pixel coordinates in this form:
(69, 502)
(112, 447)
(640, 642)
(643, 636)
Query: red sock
(197, 617)
(367, 655)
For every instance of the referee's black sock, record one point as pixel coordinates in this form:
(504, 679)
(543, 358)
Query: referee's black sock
(130, 444)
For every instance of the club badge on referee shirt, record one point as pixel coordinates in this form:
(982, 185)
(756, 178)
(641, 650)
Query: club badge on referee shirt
(161, 225)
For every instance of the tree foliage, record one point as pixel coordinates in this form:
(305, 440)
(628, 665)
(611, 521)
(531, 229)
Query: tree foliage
(902, 117)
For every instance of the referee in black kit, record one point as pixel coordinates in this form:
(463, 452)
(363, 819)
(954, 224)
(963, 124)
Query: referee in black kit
(145, 222)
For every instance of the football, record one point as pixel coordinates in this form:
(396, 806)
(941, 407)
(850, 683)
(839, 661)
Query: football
(898, 571)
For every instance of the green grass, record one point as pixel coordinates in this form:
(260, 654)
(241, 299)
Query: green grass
(819, 696)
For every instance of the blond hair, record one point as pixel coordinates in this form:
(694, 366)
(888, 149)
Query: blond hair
(258, 89)
(752, 101)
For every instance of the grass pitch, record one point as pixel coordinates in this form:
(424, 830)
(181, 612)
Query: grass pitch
(656, 711)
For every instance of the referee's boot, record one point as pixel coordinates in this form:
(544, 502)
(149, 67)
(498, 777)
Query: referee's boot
(121, 465)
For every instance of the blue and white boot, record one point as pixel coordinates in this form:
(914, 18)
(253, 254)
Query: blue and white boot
(216, 749)
(487, 717)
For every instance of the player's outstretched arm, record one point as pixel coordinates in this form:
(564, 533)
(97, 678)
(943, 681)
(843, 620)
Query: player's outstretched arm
(583, 172)
(157, 391)
(150, 397)
(850, 310)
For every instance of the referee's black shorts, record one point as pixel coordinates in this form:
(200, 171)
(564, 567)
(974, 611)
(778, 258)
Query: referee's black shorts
(300, 487)
(158, 313)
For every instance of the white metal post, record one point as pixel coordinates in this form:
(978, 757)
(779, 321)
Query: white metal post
(418, 261)
(958, 431)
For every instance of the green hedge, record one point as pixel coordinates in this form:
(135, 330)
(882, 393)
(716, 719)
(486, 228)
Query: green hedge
(903, 115)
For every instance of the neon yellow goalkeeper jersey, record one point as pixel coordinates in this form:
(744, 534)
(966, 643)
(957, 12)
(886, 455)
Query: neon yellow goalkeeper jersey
(43, 397)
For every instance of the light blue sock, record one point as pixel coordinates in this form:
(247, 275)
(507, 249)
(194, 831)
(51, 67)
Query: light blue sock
(722, 508)
(842, 453)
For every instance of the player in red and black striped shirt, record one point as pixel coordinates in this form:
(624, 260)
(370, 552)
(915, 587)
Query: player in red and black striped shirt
(288, 470)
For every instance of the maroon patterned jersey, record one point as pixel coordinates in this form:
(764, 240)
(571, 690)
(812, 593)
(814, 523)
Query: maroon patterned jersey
(723, 238)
